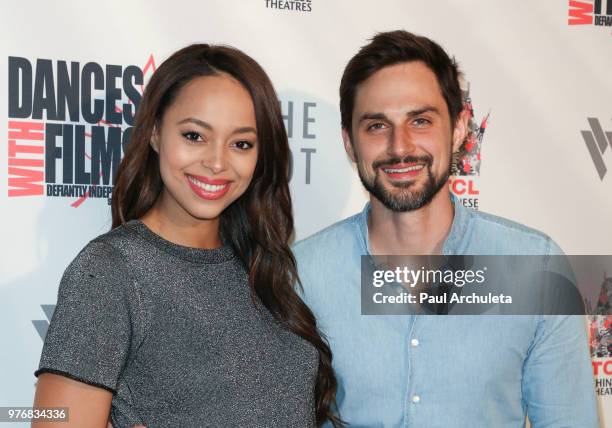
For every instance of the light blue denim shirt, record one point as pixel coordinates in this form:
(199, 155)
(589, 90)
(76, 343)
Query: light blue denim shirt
(446, 371)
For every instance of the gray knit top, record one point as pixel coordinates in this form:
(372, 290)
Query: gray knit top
(174, 333)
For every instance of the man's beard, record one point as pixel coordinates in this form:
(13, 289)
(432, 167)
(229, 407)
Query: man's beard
(405, 199)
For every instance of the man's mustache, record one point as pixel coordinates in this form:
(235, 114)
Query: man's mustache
(427, 160)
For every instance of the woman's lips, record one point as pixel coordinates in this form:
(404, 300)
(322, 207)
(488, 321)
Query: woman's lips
(207, 188)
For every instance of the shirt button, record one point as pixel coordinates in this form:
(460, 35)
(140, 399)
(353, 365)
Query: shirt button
(414, 342)
(416, 399)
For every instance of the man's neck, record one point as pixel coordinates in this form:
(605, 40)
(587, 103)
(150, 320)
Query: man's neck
(417, 232)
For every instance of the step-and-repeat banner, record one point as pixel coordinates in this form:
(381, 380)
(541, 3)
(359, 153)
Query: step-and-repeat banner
(537, 80)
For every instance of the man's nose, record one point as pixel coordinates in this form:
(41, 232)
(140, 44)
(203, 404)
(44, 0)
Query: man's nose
(401, 142)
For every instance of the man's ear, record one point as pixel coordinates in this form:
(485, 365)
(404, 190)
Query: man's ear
(154, 141)
(348, 146)
(460, 131)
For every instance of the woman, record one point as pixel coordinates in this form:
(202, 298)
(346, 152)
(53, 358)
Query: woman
(184, 314)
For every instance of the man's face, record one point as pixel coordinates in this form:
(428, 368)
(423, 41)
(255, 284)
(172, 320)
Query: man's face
(403, 138)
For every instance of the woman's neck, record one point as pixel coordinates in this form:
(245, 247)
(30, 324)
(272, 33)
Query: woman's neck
(174, 224)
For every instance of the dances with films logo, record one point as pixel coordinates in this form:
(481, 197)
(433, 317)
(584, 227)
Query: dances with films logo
(69, 125)
(465, 169)
(294, 5)
(590, 12)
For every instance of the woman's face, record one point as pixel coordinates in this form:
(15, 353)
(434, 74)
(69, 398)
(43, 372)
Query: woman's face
(207, 146)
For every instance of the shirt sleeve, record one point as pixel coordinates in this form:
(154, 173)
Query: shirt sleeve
(89, 336)
(558, 385)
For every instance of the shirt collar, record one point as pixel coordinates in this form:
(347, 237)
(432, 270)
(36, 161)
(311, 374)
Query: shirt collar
(362, 226)
(453, 241)
(461, 220)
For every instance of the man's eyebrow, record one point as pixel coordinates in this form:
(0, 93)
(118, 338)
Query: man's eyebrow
(206, 125)
(426, 109)
(381, 116)
(372, 116)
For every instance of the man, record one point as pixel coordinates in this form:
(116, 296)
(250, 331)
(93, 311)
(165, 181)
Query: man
(402, 118)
